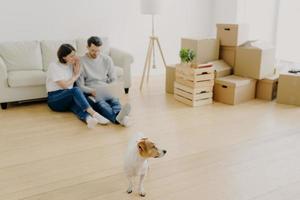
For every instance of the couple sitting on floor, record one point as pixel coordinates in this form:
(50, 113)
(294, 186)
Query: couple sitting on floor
(89, 72)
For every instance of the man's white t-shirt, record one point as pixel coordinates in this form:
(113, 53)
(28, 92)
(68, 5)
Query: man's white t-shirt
(58, 72)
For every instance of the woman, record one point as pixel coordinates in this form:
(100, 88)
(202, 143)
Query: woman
(62, 96)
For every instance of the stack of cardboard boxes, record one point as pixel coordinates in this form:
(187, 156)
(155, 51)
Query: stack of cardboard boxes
(231, 36)
(253, 61)
(252, 64)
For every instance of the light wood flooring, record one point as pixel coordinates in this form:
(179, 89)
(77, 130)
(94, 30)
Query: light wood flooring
(249, 151)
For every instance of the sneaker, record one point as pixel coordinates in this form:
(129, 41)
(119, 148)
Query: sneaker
(124, 112)
(91, 122)
(125, 122)
(100, 119)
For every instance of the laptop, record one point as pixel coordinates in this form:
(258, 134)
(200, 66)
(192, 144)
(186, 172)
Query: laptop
(108, 91)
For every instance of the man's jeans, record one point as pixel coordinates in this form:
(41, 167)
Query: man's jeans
(108, 108)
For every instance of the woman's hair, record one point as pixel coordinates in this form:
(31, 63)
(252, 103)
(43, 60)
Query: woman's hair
(94, 40)
(63, 51)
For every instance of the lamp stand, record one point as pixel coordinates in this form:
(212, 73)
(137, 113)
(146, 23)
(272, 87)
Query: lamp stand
(153, 64)
(151, 54)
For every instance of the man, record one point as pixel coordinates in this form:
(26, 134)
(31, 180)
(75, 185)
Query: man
(98, 70)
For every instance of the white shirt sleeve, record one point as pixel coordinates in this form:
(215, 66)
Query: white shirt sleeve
(56, 73)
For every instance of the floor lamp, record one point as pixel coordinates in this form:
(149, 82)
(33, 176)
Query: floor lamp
(151, 7)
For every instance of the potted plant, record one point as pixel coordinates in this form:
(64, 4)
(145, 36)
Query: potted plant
(187, 56)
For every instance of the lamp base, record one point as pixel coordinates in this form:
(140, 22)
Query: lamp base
(153, 40)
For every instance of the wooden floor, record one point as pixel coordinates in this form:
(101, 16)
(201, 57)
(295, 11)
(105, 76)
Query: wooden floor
(216, 152)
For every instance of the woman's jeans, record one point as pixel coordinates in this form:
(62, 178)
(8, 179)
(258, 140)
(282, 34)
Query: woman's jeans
(69, 100)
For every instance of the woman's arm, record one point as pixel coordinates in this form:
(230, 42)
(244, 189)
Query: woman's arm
(68, 83)
(76, 73)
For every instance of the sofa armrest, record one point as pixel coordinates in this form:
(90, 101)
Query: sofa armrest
(120, 57)
(3, 74)
(124, 60)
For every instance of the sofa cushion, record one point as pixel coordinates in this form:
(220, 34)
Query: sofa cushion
(82, 44)
(119, 71)
(22, 55)
(50, 48)
(26, 78)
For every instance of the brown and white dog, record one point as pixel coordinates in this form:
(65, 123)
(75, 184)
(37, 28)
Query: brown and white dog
(140, 149)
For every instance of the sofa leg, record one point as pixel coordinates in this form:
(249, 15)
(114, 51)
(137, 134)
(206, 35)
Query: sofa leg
(126, 90)
(3, 106)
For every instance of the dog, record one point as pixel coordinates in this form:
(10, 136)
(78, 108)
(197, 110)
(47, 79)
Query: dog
(140, 149)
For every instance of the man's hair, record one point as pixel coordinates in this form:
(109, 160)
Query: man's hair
(63, 51)
(94, 40)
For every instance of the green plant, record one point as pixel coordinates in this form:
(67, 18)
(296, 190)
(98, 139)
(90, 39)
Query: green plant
(186, 55)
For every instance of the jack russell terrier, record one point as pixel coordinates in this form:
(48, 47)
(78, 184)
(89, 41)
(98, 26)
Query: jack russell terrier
(140, 149)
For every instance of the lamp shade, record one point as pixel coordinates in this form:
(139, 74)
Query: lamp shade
(151, 7)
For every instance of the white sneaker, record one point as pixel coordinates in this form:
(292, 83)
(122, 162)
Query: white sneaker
(126, 121)
(91, 122)
(123, 113)
(100, 119)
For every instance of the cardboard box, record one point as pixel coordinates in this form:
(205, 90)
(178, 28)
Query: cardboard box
(234, 90)
(289, 89)
(221, 68)
(170, 78)
(192, 96)
(195, 77)
(255, 60)
(266, 89)
(228, 54)
(232, 34)
(205, 49)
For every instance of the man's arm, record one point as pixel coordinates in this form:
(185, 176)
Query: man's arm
(81, 84)
(111, 70)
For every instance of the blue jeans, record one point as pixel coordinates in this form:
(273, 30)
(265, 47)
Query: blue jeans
(108, 108)
(69, 100)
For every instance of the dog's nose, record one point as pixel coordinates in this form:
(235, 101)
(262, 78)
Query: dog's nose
(164, 151)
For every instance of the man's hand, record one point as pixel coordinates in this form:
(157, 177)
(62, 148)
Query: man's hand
(93, 93)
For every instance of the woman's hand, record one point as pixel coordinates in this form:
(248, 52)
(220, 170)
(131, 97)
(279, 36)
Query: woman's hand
(76, 68)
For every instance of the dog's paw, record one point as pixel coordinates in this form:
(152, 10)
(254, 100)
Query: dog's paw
(142, 194)
(129, 191)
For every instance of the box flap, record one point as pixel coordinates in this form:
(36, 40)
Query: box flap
(228, 25)
(256, 44)
(290, 74)
(233, 81)
(198, 38)
(220, 65)
(271, 78)
(171, 65)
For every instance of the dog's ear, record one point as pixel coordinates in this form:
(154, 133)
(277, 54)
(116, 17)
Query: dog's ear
(142, 146)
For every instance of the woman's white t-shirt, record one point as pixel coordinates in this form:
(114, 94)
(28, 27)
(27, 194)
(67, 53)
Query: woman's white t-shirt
(58, 72)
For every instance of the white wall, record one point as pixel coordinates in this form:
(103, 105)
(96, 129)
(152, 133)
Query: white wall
(261, 15)
(288, 39)
(224, 11)
(119, 19)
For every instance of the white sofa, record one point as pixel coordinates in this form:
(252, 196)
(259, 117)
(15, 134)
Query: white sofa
(23, 67)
